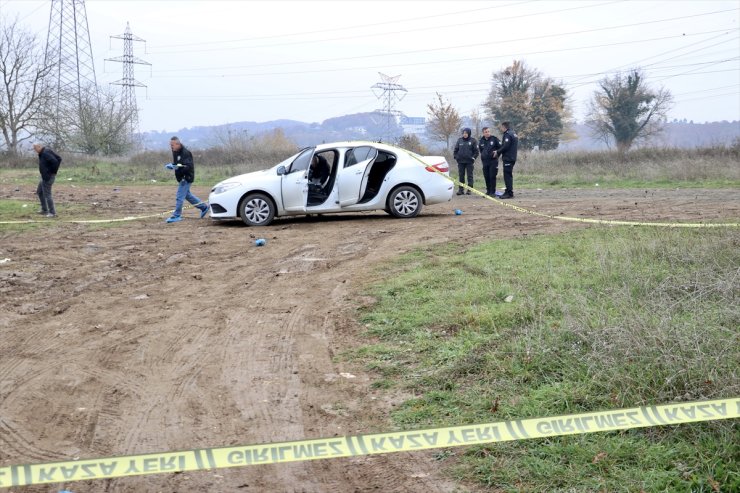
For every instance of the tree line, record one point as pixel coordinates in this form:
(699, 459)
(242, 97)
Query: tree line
(623, 111)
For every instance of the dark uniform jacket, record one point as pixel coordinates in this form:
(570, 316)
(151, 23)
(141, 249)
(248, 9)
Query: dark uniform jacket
(509, 144)
(49, 162)
(487, 146)
(187, 171)
(466, 150)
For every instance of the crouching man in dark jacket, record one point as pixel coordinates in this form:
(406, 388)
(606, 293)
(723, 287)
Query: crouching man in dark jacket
(509, 144)
(465, 153)
(49, 162)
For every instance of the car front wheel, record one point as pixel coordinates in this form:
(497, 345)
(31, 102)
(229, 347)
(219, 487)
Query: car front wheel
(257, 209)
(404, 202)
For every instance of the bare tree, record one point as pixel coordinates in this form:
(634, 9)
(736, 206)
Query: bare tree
(99, 125)
(476, 121)
(24, 91)
(444, 120)
(625, 110)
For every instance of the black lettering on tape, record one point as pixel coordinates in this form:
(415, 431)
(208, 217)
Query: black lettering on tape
(397, 442)
(544, 428)
(468, 435)
(235, 457)
(363, 447)
(108, 468)
(604, 421)
(657, 415)
(522, 429)
(198, 459)
(319, 450)
(336, 448)
(485, 433)
(511, 431)
(46, 476)
(302, 450)
(689, 411)
(377, 444)
(350, 446)
(721, 409)
(452, 438)
(132, 467)
(211, 459)
(88, 470)
(647, 416)
(632, 415)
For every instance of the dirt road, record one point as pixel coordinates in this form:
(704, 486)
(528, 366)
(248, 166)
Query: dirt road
(147, 337)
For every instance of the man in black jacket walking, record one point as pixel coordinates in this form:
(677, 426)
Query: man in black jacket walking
(487, 144)
(49, 162)
(465, 153)
(509, 144)
(182, 163)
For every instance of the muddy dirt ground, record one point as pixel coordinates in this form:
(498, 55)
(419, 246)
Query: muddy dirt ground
(149, 337)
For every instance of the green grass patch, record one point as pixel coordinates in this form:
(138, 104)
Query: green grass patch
(594, 320)
(108, 173)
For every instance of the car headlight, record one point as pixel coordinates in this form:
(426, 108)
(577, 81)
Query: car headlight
(222, 187)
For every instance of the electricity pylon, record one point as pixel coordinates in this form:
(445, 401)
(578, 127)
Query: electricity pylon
(69, 50)
(387, 91)
(128, 93)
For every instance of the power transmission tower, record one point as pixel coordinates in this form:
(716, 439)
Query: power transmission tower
(387, 91)
(69, 50)
(128, 93)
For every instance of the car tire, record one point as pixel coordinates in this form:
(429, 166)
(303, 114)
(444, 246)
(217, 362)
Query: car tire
(257, 209)
(404, 202)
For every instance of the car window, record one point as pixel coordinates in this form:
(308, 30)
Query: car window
(358, 155)
(301, 162)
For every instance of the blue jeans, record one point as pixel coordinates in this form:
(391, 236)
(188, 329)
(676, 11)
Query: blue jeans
(183, 193)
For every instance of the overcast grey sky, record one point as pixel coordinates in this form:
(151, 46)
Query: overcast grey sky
(216, 62)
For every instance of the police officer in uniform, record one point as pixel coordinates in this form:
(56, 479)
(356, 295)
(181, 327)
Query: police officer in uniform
(487, 145)
(465, 153)
(509, 144)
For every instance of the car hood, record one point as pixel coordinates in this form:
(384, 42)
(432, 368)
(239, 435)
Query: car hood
(248, 177)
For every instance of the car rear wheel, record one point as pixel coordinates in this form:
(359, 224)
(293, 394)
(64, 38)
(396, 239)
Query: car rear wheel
(257, 209)
(404, 202)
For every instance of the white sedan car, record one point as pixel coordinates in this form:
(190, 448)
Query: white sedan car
(361, 176)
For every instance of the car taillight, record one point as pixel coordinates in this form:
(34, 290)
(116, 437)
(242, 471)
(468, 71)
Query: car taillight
(443, 167)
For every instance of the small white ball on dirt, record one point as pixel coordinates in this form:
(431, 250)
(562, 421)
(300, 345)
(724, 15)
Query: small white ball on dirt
(260, 242)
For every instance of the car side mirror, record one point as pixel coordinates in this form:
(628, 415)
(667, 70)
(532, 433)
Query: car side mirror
(281, 170)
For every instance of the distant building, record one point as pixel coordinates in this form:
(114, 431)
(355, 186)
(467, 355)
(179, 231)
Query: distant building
(413, 125)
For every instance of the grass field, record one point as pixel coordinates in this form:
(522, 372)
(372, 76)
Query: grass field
(587, 321)
(659, 168)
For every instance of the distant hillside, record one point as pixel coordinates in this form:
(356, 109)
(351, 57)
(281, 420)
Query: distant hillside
(370, 126)
(348, 127)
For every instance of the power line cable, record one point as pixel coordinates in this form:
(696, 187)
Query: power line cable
(456, 60)
(426, 28)
(323, 31)
(428, 50)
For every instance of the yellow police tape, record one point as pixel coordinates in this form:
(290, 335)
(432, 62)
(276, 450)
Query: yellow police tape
(573, 219)
(370, 444)
(97, 221)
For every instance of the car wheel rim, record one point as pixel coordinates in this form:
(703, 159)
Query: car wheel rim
(406, 202)
(257, 210)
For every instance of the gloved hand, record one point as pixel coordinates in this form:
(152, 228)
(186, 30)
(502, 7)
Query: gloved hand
(169, 166)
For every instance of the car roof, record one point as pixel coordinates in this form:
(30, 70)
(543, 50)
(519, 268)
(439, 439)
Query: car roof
(357, 143)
